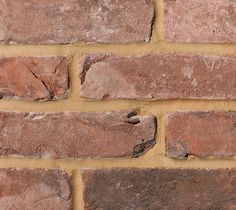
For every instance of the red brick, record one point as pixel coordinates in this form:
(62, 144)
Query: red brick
(142, 189)
(200, 21)
(34, 78)
(160, 76)
(35, 189)
(201, 134)
(59, 21)
(76, 135)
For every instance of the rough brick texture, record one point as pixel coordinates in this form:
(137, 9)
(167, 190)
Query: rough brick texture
(59, 21)
(34, 78)
(34, 189)
(149, 189)
(163, 76)
(200, 21)
(76, 135)
(201, 134)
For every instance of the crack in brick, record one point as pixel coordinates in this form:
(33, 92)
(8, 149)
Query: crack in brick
(43, 83)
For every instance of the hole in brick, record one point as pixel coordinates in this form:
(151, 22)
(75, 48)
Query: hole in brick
(141, 148)
(106, 96)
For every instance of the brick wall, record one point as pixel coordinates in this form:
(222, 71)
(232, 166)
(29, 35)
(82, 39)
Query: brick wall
(117, 104)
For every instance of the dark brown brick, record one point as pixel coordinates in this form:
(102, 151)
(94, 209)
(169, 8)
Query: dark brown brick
(200, 21)
(60, 21)
(152, 189)
(34, 78)
(36, 189)
(201, 134)
(160, 76)
(76, 135)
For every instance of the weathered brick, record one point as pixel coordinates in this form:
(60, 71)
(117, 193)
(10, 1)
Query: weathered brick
(201, 134)
(36, 189)
(34, 78)
(200, 21)
(59, 21)
(162, 76)
(76, 135)
(149, 189)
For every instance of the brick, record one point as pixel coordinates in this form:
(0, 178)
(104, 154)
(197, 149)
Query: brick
(36, 189)
(200, 21)
(125, 189)
(201, 134)
(76, 135)
(159, 76)
(34, 78)
(59, 21)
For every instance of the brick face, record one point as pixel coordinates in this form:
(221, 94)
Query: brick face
(97, 75)
(34, 78)
(200, 21)
(125, 189)
(160, 76)
(36, 189)
(201, 134)
(59, 21)
(76, 135)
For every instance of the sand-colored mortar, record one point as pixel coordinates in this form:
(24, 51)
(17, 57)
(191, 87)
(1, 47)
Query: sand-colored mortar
(154, 157)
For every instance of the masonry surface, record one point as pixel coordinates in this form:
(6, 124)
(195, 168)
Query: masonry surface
(117, 104)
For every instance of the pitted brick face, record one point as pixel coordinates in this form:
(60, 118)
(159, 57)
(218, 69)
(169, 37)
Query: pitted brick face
(149, 189)
(37, 189)
(208, 21)
(76, 135)
(201, 134)
(59, 21)
(158, 76)
(34, 78)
